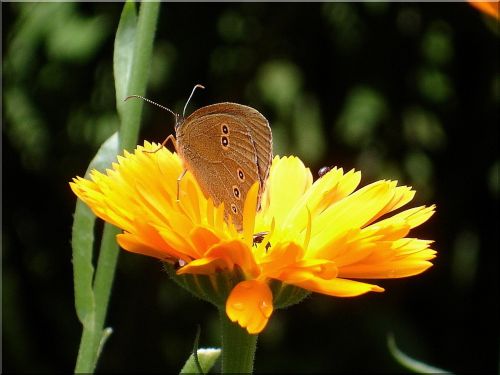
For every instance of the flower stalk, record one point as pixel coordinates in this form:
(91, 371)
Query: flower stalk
(238, 347)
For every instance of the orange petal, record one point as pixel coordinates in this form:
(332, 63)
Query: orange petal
(133, 244)
(286, 263)
(338, 287)
(250, 304)
(490, 8)
(307, 269)
(223, 256)
(203, 239)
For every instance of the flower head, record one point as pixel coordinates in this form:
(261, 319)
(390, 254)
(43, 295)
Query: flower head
(490, 8)
(322, 236)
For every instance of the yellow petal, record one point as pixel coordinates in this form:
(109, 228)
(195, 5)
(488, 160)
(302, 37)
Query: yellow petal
(331, 188)
(249, 210)
(338, 287)
(391, 259)
(326, 191)
(414, 216)
(250, 304)
(352, 212)
(387, 270)
(288, 180)
(402, 195)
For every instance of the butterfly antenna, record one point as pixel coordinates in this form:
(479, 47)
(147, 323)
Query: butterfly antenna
(198, 86)
(150, 101)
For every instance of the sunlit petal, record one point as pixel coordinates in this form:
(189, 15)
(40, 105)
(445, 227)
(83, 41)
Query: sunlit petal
(250, 304)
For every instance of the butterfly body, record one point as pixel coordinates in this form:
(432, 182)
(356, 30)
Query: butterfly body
(227, 147)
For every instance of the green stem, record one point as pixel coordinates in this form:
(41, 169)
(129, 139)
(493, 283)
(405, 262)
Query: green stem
(93, 331)
(238, 347)
(85, 362)
(105, 273)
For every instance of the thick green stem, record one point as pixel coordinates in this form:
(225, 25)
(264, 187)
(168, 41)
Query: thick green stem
(85, 362)
(93, 331)
(105, 274)
(238, 347)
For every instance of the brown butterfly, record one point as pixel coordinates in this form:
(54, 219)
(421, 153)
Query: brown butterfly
(227, 147)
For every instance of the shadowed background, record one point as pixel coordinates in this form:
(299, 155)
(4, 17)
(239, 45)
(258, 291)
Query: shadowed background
(399, 91)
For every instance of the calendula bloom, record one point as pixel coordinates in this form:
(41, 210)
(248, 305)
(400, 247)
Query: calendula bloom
(321, 236)
(491, 8)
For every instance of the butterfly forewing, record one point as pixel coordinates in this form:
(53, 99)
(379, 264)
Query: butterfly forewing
(227, 147)
(257, 126)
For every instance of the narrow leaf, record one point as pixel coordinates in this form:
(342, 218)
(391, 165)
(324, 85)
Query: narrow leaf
(106, 333)
(83, 270)
(123, 52)
(106, 154)
(206, 357)
(137, 63)
(83, 239)
(410, 363)
(195, 350)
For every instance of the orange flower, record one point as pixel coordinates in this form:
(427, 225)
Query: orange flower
(318, 236)
(490, 8)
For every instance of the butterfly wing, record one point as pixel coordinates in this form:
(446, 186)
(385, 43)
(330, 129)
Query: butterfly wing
(256, 125)
(260, 131)
(227, 147)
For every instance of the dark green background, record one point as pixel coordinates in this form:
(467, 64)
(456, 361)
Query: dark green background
(399, 91)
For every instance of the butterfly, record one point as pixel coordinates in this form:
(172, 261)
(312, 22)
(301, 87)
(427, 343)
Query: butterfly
(227, 147)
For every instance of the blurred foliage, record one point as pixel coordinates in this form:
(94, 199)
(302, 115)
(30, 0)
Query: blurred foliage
(409, 91)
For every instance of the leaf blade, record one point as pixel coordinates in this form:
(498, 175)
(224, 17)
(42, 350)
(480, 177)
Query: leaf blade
(411, 363)
(123, 52)
(206, 357)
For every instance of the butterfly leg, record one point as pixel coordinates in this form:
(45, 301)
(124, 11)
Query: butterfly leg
(170, 137)
(179, 183)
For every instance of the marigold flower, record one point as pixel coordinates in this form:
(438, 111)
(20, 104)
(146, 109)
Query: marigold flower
(491, 8)
(318, 236)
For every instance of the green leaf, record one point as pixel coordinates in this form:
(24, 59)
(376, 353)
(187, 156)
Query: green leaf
(123, 52)
(106, 333)
(83, 271)
(83, 239)
(410, 363)
(195, 350)
(132, 61)
(106, 154)
(206, 357)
